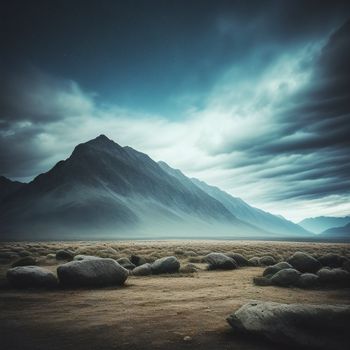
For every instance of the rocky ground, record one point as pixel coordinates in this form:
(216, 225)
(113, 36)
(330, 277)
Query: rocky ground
(166, 311)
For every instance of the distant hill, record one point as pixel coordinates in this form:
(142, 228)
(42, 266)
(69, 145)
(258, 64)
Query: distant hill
(8, 187)
(337, 232)
(322, 223)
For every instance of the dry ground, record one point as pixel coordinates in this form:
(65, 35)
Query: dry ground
(154, 312)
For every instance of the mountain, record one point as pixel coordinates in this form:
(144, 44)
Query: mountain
(337, 232)
(241, 209)
(8, 187)
(323, 223)
(104, 190)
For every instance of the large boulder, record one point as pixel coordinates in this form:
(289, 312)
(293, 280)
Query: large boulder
(267, 260)
(304, 262)
(125, 262)
(255, 261)
(25, 261)
(219, 261)
(285, 277)
(31, 277)
(64, 254)
(80, 257)
(93, 272)
(239, 259)
(334, 277)
(301, 325)
(308, 280)
(271, 270)
(331, 260)
(142, 270)
(168, 264)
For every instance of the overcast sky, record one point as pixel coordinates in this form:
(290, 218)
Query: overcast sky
(251, 96)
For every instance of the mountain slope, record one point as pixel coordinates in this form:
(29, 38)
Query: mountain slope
(107, 190)
(323, 223)
(337, 232)
(8, 187)
(241, 209)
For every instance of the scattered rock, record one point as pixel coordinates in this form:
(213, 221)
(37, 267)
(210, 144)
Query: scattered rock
(331, 260)
(8, 256)
(93, 272)
(308, 280)
(51, 256)
(271, 270)
(168, 264)
(190, 253)
(267, 260)
(304, 262)
(188, 268)
(31, 277)
(255, 261)
(23, 253)
(219, 261)
(137, 260)
(187, 338)
(301, 325)
(125, 262)
(334, 277)
(25, 261)
(239, 259)
(142, 270)
(64, 255)
(285, 277)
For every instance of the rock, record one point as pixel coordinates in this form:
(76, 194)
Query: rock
(187, 338)
(301, 325)
(31, 277)
(285, 277)
(125, 262)
(80, 257)
(142, 270)
(219, 261)
(188, 268)
(271, 270)
(331, 260)
(92, 272)
(7, 256)
(64, 255)
(267, 260)
(107, 252)
(26, 261)
(239, 259)
(190, 253)
(23, 253)
(137, 260)
(304, 262)
(51, 256)
(334, 277)
(255, 261)
(168, 264)
(308, 280)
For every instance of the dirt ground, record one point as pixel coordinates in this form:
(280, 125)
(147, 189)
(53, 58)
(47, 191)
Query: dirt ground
(153, 312)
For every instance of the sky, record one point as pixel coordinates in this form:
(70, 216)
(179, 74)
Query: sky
(250, 96)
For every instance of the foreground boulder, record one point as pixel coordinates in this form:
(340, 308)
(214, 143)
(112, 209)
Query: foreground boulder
(271, 270)
(267, 260)
(31, 277)
(331, 260)
(255, 261)
(168, 264)
(285, 277)
(304, 262)
(94, 273)
(137, 260)
(309, 326)
(308, 280)
(142, 270)
(219, 261)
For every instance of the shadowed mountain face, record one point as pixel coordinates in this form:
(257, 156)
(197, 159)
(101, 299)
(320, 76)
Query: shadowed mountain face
(323, 223)
(241, 209)
(337, 232)
(104, 190)
(7, 187)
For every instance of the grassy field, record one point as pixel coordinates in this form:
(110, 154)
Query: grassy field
(153, 312)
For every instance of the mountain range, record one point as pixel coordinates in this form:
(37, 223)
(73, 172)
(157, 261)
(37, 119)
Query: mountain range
(322, 223)
(104, 190)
